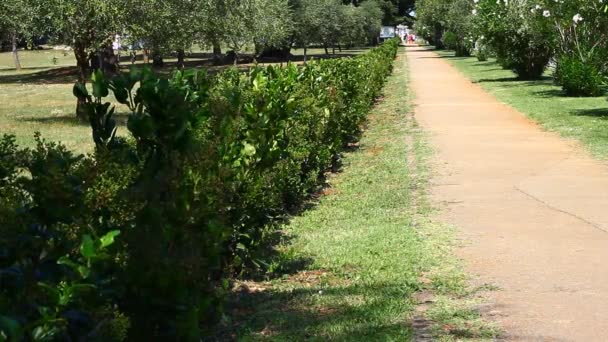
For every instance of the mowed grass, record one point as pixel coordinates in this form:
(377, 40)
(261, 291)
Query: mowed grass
(584, 119)
(351, 264)
(39, 98)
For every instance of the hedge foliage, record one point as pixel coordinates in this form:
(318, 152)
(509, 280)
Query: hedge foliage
(138, 240)
(579, 78)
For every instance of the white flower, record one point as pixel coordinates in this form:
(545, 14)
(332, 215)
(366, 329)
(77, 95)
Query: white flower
(537, 7)
(474, 12)
(546, 13)
(577, 18)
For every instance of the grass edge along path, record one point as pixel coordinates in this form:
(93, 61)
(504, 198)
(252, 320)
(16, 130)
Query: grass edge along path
(584, 119)
(352, 265)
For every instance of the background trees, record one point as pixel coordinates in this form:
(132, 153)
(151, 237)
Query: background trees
(18, 22)
(526, 37)
(158, 28)
(431, 20)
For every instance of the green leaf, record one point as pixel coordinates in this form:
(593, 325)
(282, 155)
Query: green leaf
(64, 260)
(121, 95)
(80, 90)
(87, 247)
(84, 271)
(108, 239)
(248, 149)
(100, 86)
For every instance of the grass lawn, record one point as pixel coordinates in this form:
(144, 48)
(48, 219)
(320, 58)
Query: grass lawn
(584, 119)
(351, 266)
(39, 98)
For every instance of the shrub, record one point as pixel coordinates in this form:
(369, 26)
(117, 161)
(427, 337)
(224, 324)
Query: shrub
(481, 50)
(578, 78)
(138, 240)
(453, 42)
(512, 29)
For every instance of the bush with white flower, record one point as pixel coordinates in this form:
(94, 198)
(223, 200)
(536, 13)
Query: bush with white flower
(582, 44)
(460, 26)
(512, 30)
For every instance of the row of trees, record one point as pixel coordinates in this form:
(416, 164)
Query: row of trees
(162, 26)
(526, 36)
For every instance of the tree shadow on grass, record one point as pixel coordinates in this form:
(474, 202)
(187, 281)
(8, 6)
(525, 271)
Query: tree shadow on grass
(311, 311)
(549, 93)
(490, 70)
(69, 74)
(60, 75)
(515, 79)
(71, 119)
(594, 112)
(487, 63)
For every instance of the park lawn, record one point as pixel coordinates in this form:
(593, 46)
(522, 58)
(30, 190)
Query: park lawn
(351, 265)
(583, 119)
(50, 58)
(39, 97)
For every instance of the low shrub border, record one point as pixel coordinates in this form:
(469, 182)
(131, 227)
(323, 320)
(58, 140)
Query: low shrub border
(137, 240)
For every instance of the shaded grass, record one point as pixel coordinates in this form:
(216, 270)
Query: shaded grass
(367, 242)
(584, 119)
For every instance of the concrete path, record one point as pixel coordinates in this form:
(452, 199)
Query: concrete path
(532, 207)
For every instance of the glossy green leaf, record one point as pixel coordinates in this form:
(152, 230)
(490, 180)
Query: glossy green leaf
(87, 247)
(108, 239)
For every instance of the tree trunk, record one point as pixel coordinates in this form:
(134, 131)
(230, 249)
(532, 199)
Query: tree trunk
(438, 36)
(16, 53)
(146, 53)
(157, 59)
(109, 61)
(217, 53)
(82, 63)
(326, 51)
(181, 54)
(94, 61)
(305, 54)
(100, 60)
(333, 50)
(236, 58)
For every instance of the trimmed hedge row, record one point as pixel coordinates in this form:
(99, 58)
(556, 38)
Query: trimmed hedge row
(137, 240)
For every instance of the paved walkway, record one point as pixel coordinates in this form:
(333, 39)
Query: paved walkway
(532, 207)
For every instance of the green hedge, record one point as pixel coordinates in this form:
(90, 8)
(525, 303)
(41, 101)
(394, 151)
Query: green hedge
(578, 78)
(137, 240)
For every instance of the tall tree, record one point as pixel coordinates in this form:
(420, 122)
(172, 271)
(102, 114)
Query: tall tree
(211, 30)
(331, 18)
(239, 25)
(88, 27)
(17, 22)
(272, 24)
(163, 26)
(307, 23)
